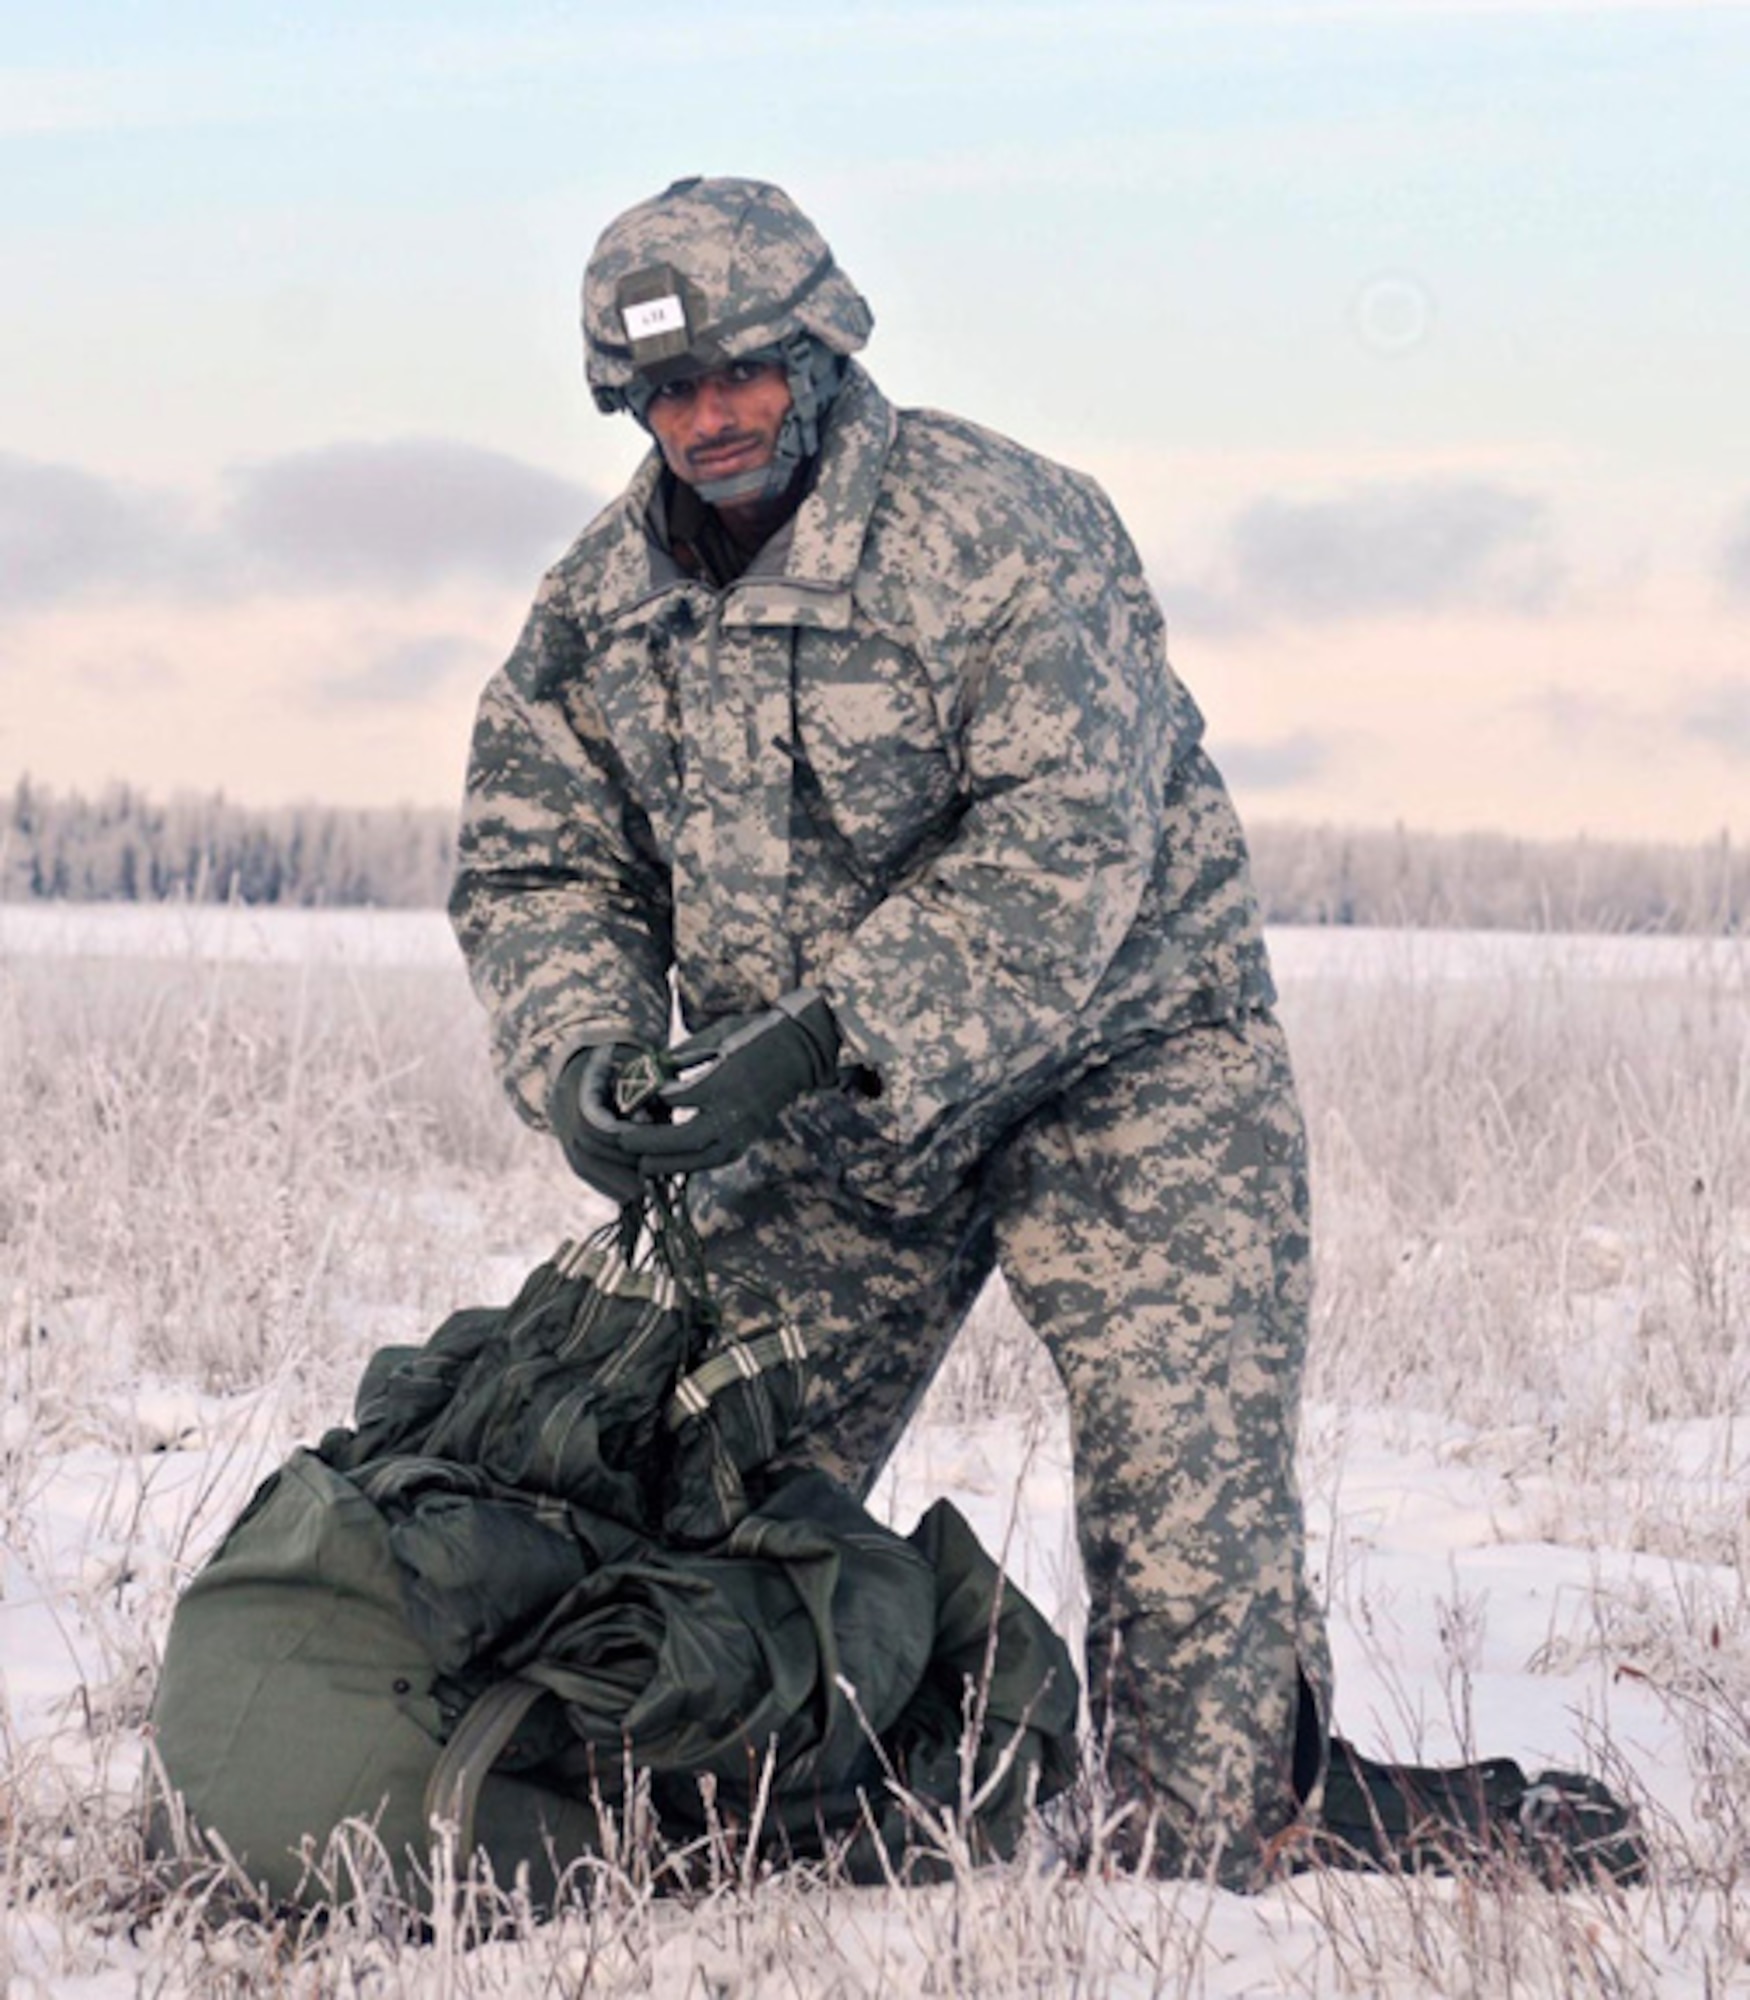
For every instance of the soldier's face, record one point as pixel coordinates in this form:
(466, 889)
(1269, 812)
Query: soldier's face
(714, 426)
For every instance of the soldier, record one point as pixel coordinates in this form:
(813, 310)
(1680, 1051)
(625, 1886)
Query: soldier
(852, 728)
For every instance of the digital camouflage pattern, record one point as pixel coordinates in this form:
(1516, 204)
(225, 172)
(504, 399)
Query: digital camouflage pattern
(752, 269)
(1152, 1226)
(928, 756)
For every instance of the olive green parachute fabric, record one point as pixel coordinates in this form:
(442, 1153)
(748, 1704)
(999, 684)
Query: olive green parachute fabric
(558, 1549)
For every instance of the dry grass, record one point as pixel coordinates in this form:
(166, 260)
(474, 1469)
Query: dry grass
(1533, 1218)
(221, 1184)
(215, 1162)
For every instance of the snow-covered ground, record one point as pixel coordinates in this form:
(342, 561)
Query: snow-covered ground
(1554, 1567)
(422, 937)
(225, 932)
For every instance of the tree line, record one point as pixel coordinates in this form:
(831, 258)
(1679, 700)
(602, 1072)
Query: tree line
(1494, 881)
(123, 846)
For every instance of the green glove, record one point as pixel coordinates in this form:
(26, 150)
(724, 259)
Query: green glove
(733, 1080)
(587, 1122)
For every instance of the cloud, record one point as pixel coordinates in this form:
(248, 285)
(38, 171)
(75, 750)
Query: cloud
(390, 517)
(412, 512)
(1720, 716)
(1424, 546)
(66, 533)
(1375, 551)
(409, 671)
(1581, 715)
(1735, 556)
(137, 671)
(1272, 766)
(1716, 714)
(1200, 606)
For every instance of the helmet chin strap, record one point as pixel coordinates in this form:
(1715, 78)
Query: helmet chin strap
(764, 482)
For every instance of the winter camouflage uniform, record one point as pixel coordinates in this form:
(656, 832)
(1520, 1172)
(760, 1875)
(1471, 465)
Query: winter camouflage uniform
(928, 757)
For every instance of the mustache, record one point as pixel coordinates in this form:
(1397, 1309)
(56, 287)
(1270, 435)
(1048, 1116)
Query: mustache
(719, 442)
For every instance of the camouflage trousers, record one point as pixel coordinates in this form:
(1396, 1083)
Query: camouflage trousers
(1151, 1224)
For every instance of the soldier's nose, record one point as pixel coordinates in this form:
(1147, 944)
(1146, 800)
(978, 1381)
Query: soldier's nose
(713, 402)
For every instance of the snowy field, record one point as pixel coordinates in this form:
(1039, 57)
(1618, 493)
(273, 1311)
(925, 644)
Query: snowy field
(242, 1148)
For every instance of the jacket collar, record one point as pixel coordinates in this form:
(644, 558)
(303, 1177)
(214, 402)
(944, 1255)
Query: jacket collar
(803, 575)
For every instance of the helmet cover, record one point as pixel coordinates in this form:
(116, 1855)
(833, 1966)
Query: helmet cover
(705, 273)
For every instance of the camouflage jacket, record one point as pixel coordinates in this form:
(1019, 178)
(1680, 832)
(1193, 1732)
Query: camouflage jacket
(927, 755)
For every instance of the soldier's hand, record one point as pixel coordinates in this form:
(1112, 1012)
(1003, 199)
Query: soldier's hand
(589, 1125)
(733, 1080)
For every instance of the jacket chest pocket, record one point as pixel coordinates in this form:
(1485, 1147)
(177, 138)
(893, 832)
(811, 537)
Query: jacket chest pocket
(876, 757)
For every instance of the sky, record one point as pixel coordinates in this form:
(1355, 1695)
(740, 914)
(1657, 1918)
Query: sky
(1408, 339)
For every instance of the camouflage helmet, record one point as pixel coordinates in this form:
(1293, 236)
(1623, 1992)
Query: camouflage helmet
(706, 273)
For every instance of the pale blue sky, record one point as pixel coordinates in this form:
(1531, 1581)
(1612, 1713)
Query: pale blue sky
(1408, 339)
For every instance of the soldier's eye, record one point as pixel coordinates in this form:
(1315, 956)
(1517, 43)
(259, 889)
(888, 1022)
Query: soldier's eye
(671, 392)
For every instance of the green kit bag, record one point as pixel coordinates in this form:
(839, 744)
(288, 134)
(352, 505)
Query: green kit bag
(559, 1547)
(295, 1697)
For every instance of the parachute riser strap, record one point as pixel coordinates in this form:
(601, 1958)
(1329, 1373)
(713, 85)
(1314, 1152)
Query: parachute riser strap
(663, 1215)
(676, 1245)
(736, 1361)
(452, 1792)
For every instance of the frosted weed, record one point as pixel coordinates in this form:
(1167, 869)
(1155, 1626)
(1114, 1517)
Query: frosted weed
(223, 1184)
